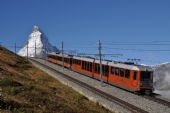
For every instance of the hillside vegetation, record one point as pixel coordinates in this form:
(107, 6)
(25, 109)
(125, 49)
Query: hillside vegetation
(26, 89)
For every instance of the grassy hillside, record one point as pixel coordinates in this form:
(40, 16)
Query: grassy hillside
(26, 89)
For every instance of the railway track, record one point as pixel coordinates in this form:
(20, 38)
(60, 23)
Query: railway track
(158, 100)
(109, 97)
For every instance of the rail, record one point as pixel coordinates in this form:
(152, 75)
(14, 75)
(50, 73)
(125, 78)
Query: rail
(158, 100)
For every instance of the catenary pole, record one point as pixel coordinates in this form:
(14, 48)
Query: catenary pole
(62, 46)
(100, 58)
(27, 50)
(35, 49)
(15, 47)
(47, 50)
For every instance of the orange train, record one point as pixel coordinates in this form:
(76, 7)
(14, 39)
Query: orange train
(128, 76)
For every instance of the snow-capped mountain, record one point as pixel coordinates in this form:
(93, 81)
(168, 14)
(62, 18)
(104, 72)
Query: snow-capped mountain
(38, 45)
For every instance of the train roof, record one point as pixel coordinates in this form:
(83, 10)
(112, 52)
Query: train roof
(84, 58)
(130, 66)
(103, 62)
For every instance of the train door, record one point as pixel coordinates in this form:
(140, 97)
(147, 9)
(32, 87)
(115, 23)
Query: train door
(122, 75)
(117, 76)
(134, 79)
(105, 69)
(93, 68)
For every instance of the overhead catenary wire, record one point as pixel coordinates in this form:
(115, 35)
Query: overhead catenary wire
(153, 50)
(131, 44)
(139, 42)
(110, 46)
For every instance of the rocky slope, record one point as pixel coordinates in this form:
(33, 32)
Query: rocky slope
(26, 89)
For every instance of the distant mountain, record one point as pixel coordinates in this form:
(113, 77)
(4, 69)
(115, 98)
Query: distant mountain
(162, 78)
(37, 45)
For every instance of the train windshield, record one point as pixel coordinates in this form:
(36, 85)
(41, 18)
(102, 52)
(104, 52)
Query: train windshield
(146, 75)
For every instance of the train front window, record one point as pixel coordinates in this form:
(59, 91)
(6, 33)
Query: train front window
(145, 75)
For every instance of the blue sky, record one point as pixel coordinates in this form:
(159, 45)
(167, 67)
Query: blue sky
(81, 23)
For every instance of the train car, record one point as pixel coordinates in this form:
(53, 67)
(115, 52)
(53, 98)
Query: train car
(57, 59)
(105, 70)
(131, 77)
(83, 65)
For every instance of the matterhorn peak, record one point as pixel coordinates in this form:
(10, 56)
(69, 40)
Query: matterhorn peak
(35, 28)
(38, 45)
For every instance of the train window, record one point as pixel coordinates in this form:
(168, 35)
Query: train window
(121, 72)
(98, 68)
(60, 58)
(83, 64)
(86, 66)
(79, 62)
(112, 70)
(135, 75)
(117, 71)
(106, 70)
(95, 68)
(90, 66)
(103, 69)
(127, 73)
(146, 75)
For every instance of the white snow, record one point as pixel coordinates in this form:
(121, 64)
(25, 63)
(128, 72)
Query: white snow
(38, 45)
